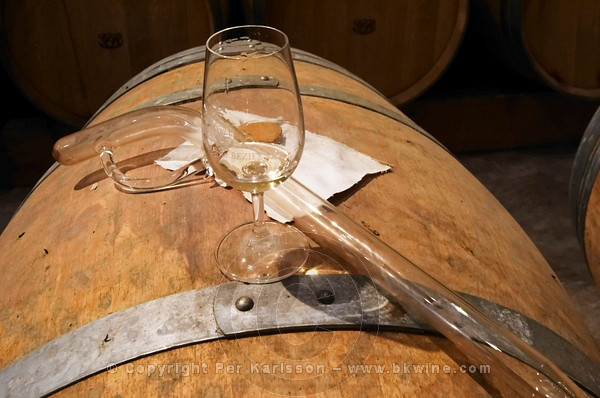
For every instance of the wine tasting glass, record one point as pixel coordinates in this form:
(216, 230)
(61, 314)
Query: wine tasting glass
(253, 138)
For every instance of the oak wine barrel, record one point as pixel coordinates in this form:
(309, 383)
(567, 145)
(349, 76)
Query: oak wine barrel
(79, 252)
(584, 195)
(69, 56)
(552, 42)
(399, 47)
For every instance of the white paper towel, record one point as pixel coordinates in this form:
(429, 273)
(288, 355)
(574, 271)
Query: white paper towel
(326, 166)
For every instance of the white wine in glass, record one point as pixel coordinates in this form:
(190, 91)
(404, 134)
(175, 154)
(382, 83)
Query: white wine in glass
(253, 137)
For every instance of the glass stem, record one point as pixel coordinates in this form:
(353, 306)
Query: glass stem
(258, 207)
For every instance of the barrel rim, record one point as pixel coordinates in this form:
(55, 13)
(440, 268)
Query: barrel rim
(586, 167)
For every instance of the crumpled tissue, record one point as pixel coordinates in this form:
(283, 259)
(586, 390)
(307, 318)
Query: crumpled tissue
(326, 166)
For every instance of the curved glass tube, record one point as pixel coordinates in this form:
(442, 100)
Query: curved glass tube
(481, 339)
(419, 293)
(157, 121)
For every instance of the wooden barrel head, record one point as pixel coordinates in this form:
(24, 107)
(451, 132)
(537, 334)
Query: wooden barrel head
(69, 57)
(78, 250)
(399, 47)
(562, 41)
(555, 43)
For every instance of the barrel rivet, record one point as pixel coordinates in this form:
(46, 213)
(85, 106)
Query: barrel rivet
(244, 303)
(325, 297)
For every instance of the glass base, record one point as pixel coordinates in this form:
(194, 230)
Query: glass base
(278, 252)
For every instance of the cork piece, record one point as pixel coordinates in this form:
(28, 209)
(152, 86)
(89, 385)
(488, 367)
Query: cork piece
(261, 131)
